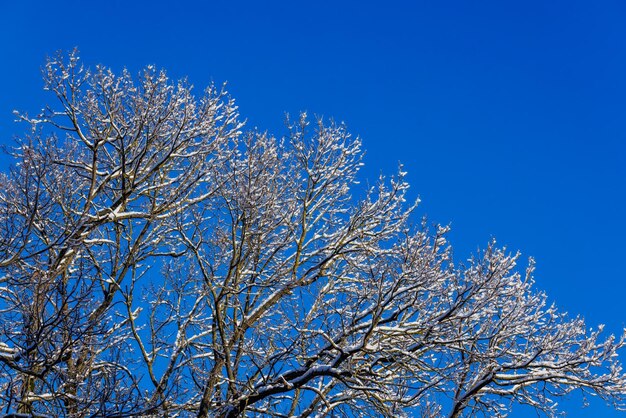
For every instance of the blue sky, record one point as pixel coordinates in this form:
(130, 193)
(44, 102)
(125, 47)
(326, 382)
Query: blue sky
(509, 118)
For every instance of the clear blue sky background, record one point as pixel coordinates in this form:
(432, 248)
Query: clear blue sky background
(509, 118)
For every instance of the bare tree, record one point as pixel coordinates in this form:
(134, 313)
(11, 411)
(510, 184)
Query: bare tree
(156, 261)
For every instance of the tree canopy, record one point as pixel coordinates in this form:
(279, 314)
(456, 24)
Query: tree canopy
(156, 259)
